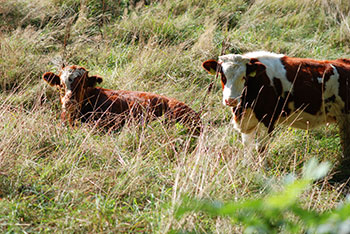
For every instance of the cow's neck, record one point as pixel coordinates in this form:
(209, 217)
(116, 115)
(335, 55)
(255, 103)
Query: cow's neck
(90, 103)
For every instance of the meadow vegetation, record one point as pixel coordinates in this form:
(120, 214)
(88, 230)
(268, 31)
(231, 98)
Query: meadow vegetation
(55, 178)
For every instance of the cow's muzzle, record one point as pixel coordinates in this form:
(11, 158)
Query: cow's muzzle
(70, 108)
(69, 104)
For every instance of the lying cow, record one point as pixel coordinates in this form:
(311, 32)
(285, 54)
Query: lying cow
(266, 89)
(81, 100)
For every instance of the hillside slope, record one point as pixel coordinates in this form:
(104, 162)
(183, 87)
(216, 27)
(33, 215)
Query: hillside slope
(56, 178)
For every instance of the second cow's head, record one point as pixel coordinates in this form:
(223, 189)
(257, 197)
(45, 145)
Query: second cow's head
(72, 82)
(235, 70)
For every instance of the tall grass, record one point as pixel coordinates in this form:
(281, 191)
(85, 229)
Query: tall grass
(57, 178)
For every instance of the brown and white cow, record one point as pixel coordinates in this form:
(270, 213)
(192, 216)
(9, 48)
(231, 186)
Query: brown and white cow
(111, 109)
(266, 89)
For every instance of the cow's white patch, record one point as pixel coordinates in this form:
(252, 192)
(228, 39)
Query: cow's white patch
(274, 67)
(69, 75)
(332, 85)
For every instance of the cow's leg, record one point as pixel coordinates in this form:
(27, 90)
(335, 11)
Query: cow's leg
(263, 145)
(263, 139)
(250, 143)
(343, 168)
(258, 140)
(248, 140)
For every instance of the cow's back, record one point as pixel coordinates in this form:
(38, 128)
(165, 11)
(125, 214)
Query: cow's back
(159, 105)
(136, 105)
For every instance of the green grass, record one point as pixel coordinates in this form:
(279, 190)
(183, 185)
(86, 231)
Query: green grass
(60, 179)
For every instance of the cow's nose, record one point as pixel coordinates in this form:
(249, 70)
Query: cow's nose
(231, 102)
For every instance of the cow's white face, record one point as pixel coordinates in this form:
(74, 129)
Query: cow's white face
(233, 68)
(71, 79)
(69, 75)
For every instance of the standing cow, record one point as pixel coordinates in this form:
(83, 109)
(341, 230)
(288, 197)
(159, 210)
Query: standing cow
(111, 109)
(266, 89)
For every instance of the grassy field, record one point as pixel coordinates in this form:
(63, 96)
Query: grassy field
(60, 179)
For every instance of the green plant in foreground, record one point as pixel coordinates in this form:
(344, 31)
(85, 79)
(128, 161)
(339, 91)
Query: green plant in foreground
(279, 211)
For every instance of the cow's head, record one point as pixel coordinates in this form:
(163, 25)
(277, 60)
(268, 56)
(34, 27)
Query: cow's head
(234, 69)
(72, 82)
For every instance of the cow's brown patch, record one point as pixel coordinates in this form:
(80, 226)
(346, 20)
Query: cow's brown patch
(304, 75)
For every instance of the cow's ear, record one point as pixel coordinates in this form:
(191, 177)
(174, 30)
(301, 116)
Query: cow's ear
(51, 78)
(211, 66)
(92, 80)
(254, 67)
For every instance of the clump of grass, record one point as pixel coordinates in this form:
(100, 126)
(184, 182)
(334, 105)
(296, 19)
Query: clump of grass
(22, 64)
